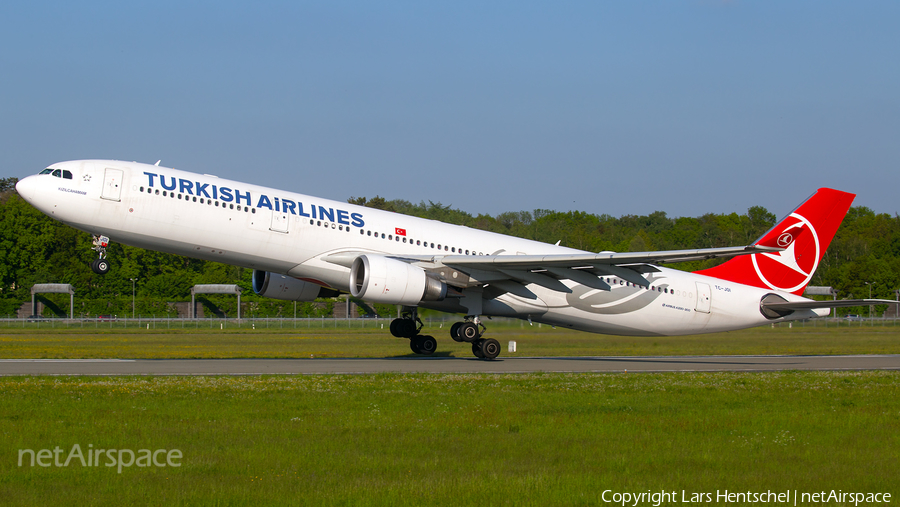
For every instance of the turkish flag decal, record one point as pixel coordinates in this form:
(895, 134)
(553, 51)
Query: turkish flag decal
(399, 232)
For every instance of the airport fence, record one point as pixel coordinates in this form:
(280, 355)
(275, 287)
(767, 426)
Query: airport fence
(263, 323)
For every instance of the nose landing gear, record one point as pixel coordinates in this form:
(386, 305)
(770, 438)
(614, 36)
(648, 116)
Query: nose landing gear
(100, 265)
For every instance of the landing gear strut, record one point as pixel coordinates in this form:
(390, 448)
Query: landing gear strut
(100, 265)
(409, 326)
(471, 331)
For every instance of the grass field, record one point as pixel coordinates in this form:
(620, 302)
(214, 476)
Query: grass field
(373, 341)
(553, 439)
(528, 439)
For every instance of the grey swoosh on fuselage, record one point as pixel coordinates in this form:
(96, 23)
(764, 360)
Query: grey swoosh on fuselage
(621, 299)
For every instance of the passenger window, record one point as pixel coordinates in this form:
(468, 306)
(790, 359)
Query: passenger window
(157, 191)
(390, 237)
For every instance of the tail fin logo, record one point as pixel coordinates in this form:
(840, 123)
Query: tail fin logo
(792, 268)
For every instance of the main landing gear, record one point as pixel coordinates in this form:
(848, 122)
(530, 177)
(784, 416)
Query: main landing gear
(100, 265)
(470, 331)
(409, 326)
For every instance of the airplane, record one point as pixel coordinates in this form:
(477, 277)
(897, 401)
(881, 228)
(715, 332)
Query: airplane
(302, 247)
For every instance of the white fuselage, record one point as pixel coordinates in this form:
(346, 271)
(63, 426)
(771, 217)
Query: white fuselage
(220, 220)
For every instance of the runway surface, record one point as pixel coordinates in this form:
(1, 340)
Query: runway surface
(442, 365)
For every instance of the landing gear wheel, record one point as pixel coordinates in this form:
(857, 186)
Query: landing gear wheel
(427, 345)
(468, 332)
(403, 328)
(490, 348)
(454, 331)
(476, 349)
(100, 266)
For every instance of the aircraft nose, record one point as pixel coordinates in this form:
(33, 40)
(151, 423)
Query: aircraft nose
(25, 188)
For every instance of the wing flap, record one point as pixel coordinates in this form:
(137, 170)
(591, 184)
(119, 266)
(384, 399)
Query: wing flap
(537, 278)
(585, 278)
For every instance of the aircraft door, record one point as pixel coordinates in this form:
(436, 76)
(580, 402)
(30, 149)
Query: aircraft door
(703, 297)
(280, 222)
(112, 184)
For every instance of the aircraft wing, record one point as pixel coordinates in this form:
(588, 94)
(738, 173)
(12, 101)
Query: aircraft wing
(510, 273)
(597, 260)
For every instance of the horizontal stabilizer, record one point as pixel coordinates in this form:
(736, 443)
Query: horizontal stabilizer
(783, 306)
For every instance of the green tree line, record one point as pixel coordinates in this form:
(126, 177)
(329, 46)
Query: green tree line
(36, 249)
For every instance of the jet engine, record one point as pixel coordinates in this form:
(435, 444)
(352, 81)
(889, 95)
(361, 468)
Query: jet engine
(381, 279)
(275, 286)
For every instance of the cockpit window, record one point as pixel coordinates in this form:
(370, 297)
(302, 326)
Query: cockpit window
(59, 173)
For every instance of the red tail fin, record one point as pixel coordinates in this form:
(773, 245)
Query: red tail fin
(805, 235)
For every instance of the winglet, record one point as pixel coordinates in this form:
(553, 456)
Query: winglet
(803, 236)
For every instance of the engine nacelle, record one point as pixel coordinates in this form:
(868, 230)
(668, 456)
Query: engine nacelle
(380, 279)
(275, 286)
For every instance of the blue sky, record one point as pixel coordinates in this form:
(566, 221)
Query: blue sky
(686, 107)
